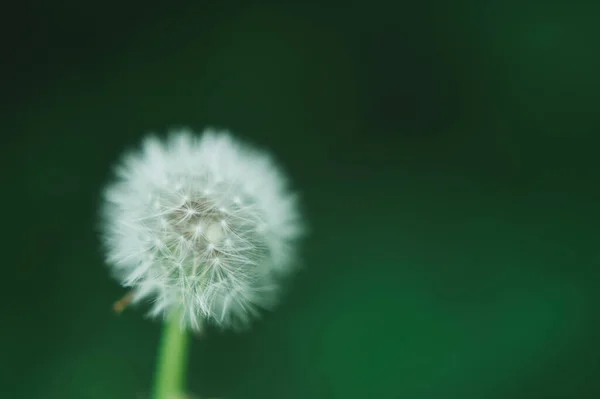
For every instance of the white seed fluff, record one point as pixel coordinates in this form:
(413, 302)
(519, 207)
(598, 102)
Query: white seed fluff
(203, 224)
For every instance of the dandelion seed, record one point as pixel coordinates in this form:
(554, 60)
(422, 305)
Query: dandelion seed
(205, 225)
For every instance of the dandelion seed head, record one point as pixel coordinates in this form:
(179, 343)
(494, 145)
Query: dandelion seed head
(201, 223)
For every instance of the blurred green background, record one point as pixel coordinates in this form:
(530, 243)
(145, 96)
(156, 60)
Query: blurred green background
(447, 154)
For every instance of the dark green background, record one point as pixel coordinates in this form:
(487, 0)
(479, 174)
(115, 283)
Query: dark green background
(447, 154)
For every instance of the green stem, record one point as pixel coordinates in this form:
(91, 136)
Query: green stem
(172, 361)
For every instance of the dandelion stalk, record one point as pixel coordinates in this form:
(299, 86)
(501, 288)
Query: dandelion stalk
(172, 361)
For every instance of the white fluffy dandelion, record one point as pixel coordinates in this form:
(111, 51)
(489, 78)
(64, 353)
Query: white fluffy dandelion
(204, 225)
